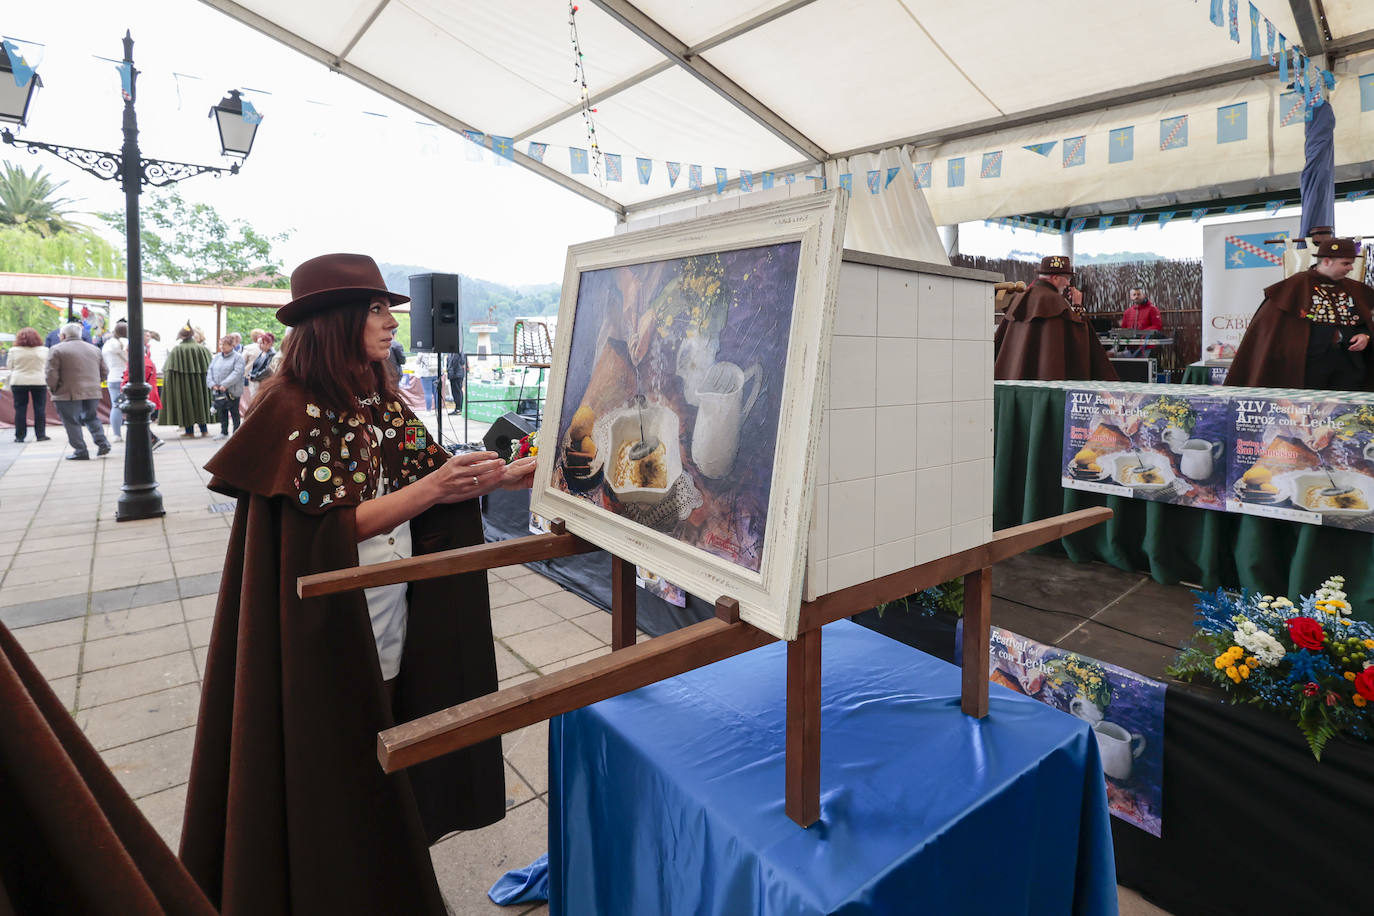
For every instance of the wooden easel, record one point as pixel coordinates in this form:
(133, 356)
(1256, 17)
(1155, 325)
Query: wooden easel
(632, 665)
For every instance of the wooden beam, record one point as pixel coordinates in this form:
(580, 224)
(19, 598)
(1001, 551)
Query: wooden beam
(563, 691)
(973, 696)
(803, 759)
(445, 563)
(1004, 544)
(624, 601)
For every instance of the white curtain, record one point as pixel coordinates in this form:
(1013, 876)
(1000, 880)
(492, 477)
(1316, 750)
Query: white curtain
(896, 221)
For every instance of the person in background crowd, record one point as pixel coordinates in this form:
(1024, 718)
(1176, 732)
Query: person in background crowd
(250, 352)
(115, 353)
(1044, 334)
(73, 375)
(55, 335)
(398, 356)
(456, 369)
(428, 374)
(263, 364)
(1141, 315)
(157, 348)
(27, 360)
(225, 381)
(1312, 330)
(237, 338)
(186, 400)
(198, 335)
(154, 397)
(332, 470)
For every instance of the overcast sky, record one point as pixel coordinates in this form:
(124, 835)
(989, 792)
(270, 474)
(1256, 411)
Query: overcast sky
(344, 169)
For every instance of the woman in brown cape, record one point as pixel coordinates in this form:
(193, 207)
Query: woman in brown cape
(287, 808)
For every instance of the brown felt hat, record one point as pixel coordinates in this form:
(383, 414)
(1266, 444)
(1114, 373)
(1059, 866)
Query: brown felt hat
(1338, 248)
(1056, 264)
(332, 280)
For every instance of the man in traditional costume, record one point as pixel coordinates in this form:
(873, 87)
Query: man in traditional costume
(1312, 330)
(186, 399)
(1045, 336)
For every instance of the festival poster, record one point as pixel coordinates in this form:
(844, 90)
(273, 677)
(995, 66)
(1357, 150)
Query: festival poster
(1125, 710)
(1162, 447)
(1303, 459)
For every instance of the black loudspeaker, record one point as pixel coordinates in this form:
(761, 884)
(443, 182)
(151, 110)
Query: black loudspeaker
(434, 313)
(505, 433)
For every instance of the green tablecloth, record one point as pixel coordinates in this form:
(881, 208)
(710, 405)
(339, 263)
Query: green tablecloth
(1195, 375)
(1169, 543)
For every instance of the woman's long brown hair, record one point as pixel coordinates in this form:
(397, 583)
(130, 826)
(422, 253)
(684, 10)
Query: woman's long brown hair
(324, 354)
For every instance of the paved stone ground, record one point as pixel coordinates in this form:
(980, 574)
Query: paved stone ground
(117, 616)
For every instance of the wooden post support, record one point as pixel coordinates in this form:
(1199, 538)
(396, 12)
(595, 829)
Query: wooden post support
(624, 609)
(803, 762)
(727, 609)
(977, 630)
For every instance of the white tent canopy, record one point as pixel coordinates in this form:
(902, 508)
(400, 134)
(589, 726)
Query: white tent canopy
(786, 85)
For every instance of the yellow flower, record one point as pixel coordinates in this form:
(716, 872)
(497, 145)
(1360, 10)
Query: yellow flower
(1343, 622)
(1369, 643)
(1359, 700)
(1350, 675)
(1244, 670)
(1253, 663)
(1232, 673)
(1222, 661)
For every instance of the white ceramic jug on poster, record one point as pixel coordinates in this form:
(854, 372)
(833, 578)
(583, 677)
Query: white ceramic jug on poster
(1119, 748)
(1085, 709)
(721, 408)
(1198, 457)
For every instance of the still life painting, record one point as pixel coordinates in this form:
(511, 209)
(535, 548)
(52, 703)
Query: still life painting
(684, 395)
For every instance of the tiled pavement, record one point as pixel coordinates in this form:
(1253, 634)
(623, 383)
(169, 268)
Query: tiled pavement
(117, 616)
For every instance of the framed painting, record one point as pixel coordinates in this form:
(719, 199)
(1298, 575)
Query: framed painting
(687, 384)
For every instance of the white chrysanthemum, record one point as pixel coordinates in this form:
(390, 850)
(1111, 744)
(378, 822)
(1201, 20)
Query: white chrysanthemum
(1265, 648)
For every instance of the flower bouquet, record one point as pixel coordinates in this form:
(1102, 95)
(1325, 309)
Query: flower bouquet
(1309, 660)
(528, 445)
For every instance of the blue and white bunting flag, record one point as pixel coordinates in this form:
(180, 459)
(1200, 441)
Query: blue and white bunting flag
(1256, 53)
(766, 181)
(1270, 34)
(674, 170)
(721, 181)
(476, 143)
(892, 172)
(1218, 14)
(1283, 60)
(1367, 92)
(503, 147)
(1075, 151)
(992, 165)
(1042, 149)
(921, 172)
(789, 178)
(1135, 219)
(250, 114)
(1234, 209)
(1198, 214)
(578, 160)
(1173, 132)
(1121, 145)
(746, 180)
(694, 177)
(1232, 123)
(1273, 206)
(847, 183)
(1356, 195)
(1291, 109)
(537, 151)
(1105, 222)
(1165, 216)
(644, 168)
(613, 168)
(1078, 224)
(825, 185)
(126, 80)
(954, 177)
(22, 70)
(1233, 17)
(875, 179)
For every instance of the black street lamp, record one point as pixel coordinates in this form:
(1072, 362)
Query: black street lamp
(139, 497)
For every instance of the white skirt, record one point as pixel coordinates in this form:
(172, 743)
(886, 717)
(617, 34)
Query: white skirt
(386, 604)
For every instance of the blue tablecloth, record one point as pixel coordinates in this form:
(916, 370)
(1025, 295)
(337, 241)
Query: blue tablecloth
(669, 799)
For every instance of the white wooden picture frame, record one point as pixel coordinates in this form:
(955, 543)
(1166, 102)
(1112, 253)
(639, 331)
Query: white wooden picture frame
(588, 474)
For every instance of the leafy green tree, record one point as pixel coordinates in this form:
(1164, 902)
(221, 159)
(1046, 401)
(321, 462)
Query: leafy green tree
(79, 253)
(29, 201)
(191, 243)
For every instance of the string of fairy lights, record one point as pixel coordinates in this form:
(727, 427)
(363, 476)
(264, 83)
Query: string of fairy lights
(580, 80)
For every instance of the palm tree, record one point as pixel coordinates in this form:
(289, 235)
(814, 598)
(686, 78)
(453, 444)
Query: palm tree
(28, 201)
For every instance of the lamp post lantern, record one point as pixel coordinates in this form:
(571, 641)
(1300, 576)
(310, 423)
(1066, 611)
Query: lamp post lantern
(139, 497)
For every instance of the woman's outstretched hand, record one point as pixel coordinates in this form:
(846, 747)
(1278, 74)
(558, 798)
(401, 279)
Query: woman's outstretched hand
(520, 473)
(467, 475)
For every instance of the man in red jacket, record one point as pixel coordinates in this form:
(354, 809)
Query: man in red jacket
(1141, 316)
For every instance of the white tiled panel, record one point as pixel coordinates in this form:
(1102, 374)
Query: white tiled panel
(904, 456)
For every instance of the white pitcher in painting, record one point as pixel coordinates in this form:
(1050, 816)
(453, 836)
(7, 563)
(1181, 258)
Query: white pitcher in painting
(721, 409)
(1119, 748)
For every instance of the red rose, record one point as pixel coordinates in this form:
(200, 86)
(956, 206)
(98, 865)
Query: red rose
(1310, 689)
(1364, 683)
(1305, 632)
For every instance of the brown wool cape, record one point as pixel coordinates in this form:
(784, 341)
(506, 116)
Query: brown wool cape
(288, 810)
(71, 838)
(1040, 337)
(1273, 352)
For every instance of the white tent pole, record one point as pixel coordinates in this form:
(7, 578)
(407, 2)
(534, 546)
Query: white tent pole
(950, 236)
